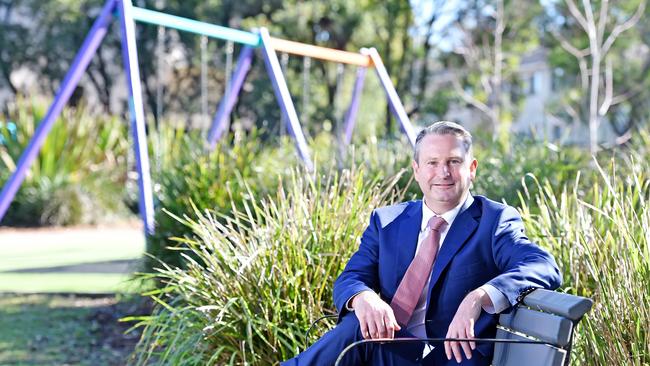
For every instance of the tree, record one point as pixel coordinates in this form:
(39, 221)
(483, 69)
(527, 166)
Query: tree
(492, 37)
(602, 24)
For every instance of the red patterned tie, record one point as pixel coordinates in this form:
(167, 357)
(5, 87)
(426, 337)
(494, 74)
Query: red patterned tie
(416, 276)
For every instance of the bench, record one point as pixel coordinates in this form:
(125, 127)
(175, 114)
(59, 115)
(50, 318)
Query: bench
(537, 332)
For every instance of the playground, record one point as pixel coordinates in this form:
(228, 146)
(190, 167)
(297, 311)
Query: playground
(188, 184)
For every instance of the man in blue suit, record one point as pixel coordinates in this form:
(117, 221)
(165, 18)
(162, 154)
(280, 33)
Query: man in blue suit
(412, 278)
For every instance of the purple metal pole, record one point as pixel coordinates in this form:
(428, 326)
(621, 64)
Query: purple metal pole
(130, 56)
(81, 61)
(228, 102)
(393, 99)
(351, 114)
(283, 96)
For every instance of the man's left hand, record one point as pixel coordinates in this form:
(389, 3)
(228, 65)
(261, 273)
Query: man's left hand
(462, 326)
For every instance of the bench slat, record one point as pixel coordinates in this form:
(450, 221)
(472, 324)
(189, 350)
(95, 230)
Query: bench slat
(546, 327)
(508, 354)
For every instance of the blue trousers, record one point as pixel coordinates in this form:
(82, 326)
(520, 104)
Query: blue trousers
(325, 351)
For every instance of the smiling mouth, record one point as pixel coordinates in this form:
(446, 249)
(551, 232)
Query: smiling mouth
(440, 185)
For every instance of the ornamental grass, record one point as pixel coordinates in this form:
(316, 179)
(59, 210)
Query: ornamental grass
(79, 174)
(600, 236)
(255, 279)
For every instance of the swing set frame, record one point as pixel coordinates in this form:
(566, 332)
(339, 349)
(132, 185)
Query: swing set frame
(127, 15)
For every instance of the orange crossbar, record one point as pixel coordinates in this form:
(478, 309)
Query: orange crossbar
(322, 53)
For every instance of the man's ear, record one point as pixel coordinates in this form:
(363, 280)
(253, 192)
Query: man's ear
(472, 169)
(414, 164)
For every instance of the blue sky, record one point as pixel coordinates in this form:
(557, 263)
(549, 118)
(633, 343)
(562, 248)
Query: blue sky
(423, 10)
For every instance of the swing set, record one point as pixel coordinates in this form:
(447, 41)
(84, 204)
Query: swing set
(127, 15)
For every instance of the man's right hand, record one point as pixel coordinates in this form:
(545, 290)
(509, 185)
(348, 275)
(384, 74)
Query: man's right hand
(375, 316)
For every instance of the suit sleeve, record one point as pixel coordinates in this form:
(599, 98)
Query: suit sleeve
(524, 266)
(361, 272)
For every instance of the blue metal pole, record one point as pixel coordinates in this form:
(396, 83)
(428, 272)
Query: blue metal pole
(228, 102)
(393, 99)
(130, 56)
(79, 65)
(351, 114)
(284, 98)
(195, 26)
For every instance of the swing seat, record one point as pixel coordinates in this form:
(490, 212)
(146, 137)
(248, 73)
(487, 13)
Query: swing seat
(537, 332)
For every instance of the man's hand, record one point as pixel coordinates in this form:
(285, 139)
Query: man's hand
(462, 326)
(375, 316)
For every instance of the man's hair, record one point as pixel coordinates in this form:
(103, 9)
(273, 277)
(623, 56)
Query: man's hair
(444, 128)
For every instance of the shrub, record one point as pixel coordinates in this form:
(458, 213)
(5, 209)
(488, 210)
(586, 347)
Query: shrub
(221, 180)
(186, 174)
(77, 175)
(256, 279)
(502, 170)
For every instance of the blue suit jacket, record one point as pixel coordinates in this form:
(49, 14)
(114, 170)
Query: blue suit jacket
(485, 244)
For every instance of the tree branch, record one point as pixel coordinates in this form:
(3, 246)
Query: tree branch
(620, 28)
(568, 46)
(602, 20)
(573, 8)
(609, 87)
(471, 100)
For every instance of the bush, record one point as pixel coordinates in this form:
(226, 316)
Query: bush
(503, 170)
(256, 279)
(186, 174)
(77, 175)
(222, 180)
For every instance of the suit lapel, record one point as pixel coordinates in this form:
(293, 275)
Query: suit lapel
(407, 239)
(460, 231)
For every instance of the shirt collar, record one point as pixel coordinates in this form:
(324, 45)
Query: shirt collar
(449, 216)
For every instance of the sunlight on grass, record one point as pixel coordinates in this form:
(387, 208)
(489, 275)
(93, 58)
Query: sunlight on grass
(66, 282)
(38, 249)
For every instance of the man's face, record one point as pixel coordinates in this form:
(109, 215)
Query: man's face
(444, 171)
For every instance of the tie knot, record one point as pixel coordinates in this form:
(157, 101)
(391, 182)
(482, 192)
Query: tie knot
(437, 223)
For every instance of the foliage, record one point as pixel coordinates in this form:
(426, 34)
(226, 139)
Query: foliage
(205, 316)
(79, 172)
(504, 168)
(186, 173)
(484, 63)
(600, 238)
(254, 280)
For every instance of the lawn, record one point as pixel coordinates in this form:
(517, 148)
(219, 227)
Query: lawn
(49, 329)
(62, 292)
(80, 260)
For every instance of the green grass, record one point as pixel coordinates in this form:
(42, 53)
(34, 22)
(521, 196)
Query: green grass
(63, 330)
(22, 251)
(255, 280)
(43, 250)
(89, 283)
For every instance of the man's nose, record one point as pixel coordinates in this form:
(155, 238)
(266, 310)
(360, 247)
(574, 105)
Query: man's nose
(444, 170)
